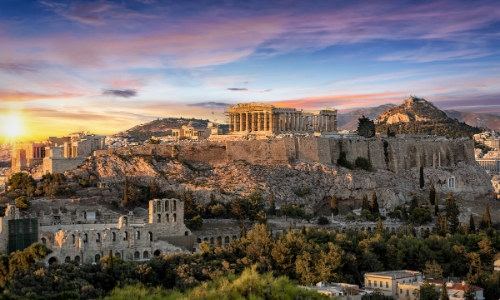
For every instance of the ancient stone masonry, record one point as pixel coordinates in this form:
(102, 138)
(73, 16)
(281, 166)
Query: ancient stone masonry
(265, 119)
(164, 233)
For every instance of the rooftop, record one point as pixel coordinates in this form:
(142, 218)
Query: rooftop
(395, 274)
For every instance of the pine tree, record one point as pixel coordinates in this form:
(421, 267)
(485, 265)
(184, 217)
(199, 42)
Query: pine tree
(472, 226)
(374, 205)
(365, 204)
(432, 194)
(414, 202)
(421, 176)
(444, 292)
(366, 127)
(334, 206)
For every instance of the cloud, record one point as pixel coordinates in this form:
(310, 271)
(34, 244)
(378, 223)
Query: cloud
(237, 89)
(16, 96)
(120, 93)
(247, 90)
(216, 105)
(17, 67)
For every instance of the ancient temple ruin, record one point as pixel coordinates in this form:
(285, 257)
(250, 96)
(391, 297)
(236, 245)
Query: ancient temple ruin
(266, 119)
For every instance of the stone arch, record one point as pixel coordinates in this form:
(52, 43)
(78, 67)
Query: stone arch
(44, 241)
(158, 206)
(205, 239)
(158, 218)
(73, 239)
(174, 218)
(125, 221)
(157, 252)
(369, 229)
(174, 208)
(113, 235)
(211, 241)
(219, 240)
(150, 235)
(137, 255)
(53, 260)
(85, 238)
(226, 240)
(167, 219)
(198, 240)
(145, 254)
(77, 259)
(118, 255)
(98, 239)
(67, 259)
(186, 233)
(125, 237)
(138, 234)
(97, 258)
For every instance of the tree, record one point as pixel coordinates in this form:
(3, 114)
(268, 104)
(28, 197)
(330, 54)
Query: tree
(421, 181)
(365, 213)
(374, 205)
(452, 213)
(420, 215)
(154, 191)
(22, 203)
(380, 225)
(432, 194)
(21, 181)
(444, 292)
(436, 208)
(433, 270)
(414, 202)
(323, 221)
(485, 222)
(243, 229)
(125, 191)
(272, 206)
(365, 204)
(196, 222)
(334, 206)
(366, 127)
(428, 291)
(472, 226)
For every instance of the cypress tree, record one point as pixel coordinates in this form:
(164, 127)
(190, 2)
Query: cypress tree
(421, 176)
(472, 226)
(271, 203)
(414, 202)
(452, 213)
(485, 222)
(365, 204)
(432, 194)
(334, 206)
(374, 205)
(436, 209)
(444, 292)
(380, 226)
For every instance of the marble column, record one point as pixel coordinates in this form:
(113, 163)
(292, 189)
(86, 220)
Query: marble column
(240, 128)
(247, 121)
(266, 126)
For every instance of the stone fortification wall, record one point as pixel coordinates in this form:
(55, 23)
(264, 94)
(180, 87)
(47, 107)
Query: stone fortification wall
(388, 154)
(54, 165)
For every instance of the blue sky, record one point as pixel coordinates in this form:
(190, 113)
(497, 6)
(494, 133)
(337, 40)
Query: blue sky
(105, 66)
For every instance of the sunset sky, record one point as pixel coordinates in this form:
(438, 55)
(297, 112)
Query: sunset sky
(105, 66)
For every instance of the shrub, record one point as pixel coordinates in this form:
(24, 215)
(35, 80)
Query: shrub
(350, 217)
(343, 162)
(323, 221)
(302, 191)
(363, 163)
(22, 202)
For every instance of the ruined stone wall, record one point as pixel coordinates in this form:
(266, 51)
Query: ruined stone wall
(259, 152)
(54, 165)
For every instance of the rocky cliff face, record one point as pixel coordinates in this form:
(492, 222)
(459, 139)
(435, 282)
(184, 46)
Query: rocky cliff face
(305, 182)
(413, 109)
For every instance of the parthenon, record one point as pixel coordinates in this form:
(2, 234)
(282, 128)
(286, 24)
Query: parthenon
(265, 119)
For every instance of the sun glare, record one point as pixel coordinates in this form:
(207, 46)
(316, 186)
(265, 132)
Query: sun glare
(11, 126)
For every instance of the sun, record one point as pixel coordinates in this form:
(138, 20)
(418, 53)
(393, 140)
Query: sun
(12, 126)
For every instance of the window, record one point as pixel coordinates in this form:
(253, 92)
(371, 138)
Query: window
(97, 258)
(73, 239)
(114, 236)
(126, 236)
(158, 206)
(150, 234)
(369, 283)
(167, 218)
(387, 284)
(138, 235)
(381, 284)
(407, 293)
(44, 241)
(158, 218)
(175, 206)
(174, 217)
(98, 239)
(374, 283)
(400, 291)
(85, 238)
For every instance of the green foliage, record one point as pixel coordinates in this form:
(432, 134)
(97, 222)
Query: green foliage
(302, 191)
(366, 214)
(420, 215)
(350, 217)
(472, 225)
(485, 222)
(433, 270)
(428, 291)
(195, 223)
(376, 295)
(366, 127)
(323, 221)
(334, 206)
(292, 211)
(452, 213)
(374, 208)
(22, 202)
(21, 181)
(432, 194)
(363, 163)
(343, 162)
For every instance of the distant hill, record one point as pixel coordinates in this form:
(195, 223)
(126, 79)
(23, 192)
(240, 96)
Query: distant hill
(490, 121)
(349, 120)
(419, 116)
(161, 127)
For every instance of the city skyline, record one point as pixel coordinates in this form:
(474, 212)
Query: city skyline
(105, 66)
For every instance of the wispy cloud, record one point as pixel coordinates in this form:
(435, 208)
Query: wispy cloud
(216, 105)
(120, 93)
(16, 96)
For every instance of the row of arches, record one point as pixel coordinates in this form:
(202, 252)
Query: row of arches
(218, 240)
(165, 205)
(167, 218)
(114, 237)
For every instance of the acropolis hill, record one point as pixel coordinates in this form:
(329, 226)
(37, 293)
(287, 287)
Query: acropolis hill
(226, 170)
